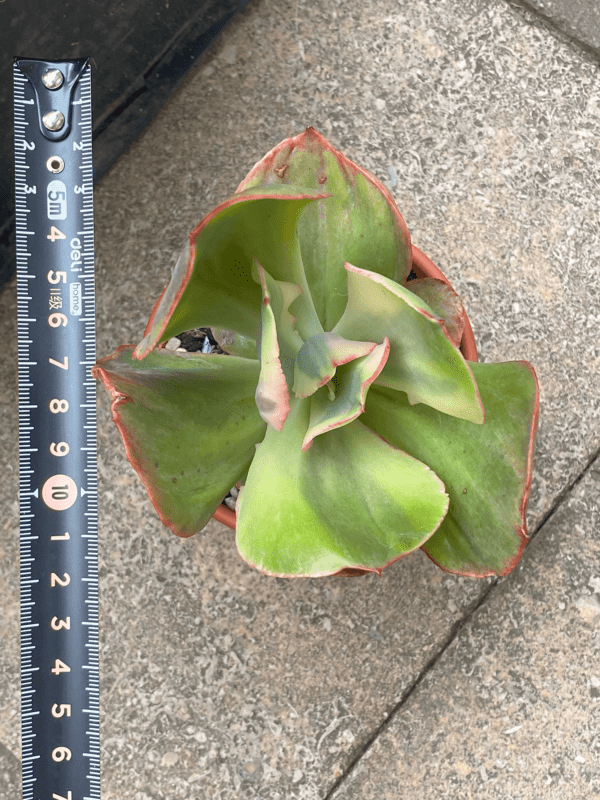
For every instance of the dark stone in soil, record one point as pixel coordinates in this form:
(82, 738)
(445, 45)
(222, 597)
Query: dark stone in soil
(193, 340)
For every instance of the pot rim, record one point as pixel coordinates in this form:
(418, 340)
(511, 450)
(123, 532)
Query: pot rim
(424, 265)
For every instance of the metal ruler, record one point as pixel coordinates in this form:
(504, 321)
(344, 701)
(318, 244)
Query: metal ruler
(57, 429)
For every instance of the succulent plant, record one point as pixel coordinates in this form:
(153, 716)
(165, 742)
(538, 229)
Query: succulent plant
(343, 403)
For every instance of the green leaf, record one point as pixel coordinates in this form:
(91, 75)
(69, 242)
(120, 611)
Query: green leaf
(423, 362)
(212, 282)
(351, 500)
(278, 296)
(360, 223)
(486, 468)
(189, 424)
(235, 344)
(277, 325)
(317, 359)
(351, 382)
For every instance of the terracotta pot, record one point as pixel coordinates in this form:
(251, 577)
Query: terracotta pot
(423, 268)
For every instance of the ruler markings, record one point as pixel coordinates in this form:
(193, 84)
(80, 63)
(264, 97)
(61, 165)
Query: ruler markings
(37, 256)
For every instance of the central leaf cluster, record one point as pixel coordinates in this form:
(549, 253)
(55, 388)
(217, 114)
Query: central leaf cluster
(368, 344)
(303, 365)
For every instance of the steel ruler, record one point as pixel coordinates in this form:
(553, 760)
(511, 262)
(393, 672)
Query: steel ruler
(57, 429)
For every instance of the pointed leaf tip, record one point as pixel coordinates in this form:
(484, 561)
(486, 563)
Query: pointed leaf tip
(272, 394)
(359, 222)
(423, 361)
(353, 381)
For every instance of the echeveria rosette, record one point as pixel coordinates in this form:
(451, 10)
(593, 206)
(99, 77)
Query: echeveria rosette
(346, 408)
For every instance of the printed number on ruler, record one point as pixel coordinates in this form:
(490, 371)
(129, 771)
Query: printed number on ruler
(57, 430)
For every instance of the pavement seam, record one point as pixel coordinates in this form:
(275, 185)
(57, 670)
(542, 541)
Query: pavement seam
(561, 497)
(550, 24)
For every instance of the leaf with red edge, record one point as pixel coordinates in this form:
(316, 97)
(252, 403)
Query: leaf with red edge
(360, 223)
(189, 424)
(318, 358)
(486, 468)
(351, 382)
(443, 301)
(423, 361)
(212, 283)
(277, 327)
(351, 501)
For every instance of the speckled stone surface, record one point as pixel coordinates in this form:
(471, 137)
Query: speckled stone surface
(218, 682)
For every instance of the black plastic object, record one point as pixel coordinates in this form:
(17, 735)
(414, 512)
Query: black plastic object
(139, 51)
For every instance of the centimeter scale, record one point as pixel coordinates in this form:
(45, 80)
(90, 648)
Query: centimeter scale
(57, 429)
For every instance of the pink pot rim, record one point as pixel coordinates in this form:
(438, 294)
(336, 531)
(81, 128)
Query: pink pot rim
(425, 268)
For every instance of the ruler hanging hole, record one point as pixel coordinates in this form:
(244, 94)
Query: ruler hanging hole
(55, 164)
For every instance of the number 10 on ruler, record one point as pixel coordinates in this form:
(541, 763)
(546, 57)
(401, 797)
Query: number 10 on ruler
(57, 430)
